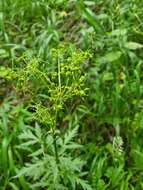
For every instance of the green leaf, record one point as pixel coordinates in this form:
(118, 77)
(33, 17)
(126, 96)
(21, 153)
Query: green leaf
(13, 186)
(84, 184)
(90, 17)
(70, 135)
(118, 32)
(133, 45)
(108, 76)
(110, 57)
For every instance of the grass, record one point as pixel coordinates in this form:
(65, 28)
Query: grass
(71, 114)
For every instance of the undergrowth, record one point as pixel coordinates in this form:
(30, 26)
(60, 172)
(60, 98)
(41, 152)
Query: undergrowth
(71, 114)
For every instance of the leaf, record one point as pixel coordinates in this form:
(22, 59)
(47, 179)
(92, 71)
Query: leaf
(1, 21)
(89, 3)
(27, 135)
(38, 131)
(90, 17)
(3, 53)
(84, 184)
(28, 143)
(108, 76)
(110, 57)
(13, 186)
(36, 153)
(34, 170)
(73, 146)
(118, 32)
(70, 135)
(5, 72)
(133, 45)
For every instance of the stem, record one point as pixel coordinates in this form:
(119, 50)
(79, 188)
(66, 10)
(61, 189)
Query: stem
(54, 124)
(55, 147)
(3, 10)
(117, 128)
(59, 74)
(54, 139)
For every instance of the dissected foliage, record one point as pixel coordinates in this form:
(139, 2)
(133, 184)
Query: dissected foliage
(71, 114)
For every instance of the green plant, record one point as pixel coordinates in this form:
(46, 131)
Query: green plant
(12, 121)
(64, 172)
(65, 64)
(63, 83)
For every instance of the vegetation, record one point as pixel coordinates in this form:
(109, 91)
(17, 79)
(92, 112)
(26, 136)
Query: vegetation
(71, 108)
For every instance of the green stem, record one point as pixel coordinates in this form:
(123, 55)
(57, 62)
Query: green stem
(3, 11)
(55, 147)
(59, 73)
(117, 128)
(54, 124)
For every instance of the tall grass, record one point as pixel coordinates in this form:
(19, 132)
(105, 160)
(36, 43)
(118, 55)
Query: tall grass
(71, 94)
